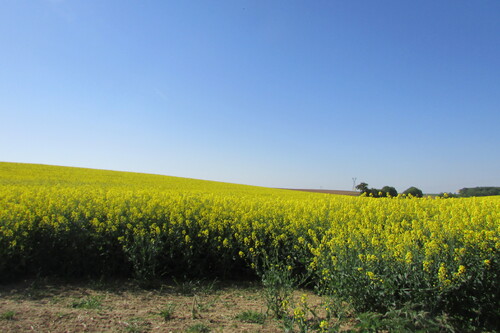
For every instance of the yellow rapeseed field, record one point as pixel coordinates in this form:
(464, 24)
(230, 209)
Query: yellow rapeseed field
(372, 252)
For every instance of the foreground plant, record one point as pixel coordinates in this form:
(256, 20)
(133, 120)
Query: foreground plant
(167, 312)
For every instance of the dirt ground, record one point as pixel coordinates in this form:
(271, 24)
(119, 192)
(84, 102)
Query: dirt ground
(45, 306)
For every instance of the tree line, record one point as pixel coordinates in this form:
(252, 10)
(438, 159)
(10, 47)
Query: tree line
(387, 191)
(480, 191)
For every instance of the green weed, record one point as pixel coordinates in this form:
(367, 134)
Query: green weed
(278, 285)
(167, 312)
(406, 319)
(137, 325)
(90, 302)
(251, 316)
(7, 315)
(198, 328)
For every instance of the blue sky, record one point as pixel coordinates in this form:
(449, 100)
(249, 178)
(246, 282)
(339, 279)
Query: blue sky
(271, 93)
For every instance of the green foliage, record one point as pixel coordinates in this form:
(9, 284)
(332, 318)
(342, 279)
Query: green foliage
(377, 193)
(406, 319)
(362, 187)
(143, 252)
(413, 191)
(479, 191)
(478, 288)
(7, 315)
(389, 191)
(251, 316)
(167, 311)
(198, 328)
(90, 302)
(137, 325)
(278, 285)
(446, 195)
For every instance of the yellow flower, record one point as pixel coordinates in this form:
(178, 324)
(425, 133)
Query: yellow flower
(443, 276)
(409, 257)
(426, 266)
(298, 313)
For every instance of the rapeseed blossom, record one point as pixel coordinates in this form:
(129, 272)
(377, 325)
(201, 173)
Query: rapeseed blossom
(160, 226)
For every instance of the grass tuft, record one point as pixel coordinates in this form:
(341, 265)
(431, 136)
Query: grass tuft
(198, 328)
(7, 315)
(90, 302)
(167, 312)
(137, 325)
(252, 317)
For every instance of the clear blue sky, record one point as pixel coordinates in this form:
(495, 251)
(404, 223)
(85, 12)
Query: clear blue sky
(271, 93)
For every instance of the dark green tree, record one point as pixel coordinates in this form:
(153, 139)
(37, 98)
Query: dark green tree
(416, 192)
(389, 190)
(447, 195)
(362, 187)
(479, 191)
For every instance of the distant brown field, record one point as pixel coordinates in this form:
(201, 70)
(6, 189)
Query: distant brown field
(352, 193)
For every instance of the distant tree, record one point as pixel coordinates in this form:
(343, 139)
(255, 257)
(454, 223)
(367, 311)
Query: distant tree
(447, 195)
(414, 192)
(362, 187)
(389, 190)
(479, 191)
(375, 192)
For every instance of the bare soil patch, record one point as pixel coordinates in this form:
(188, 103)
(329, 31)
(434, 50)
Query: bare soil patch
(124, 307)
